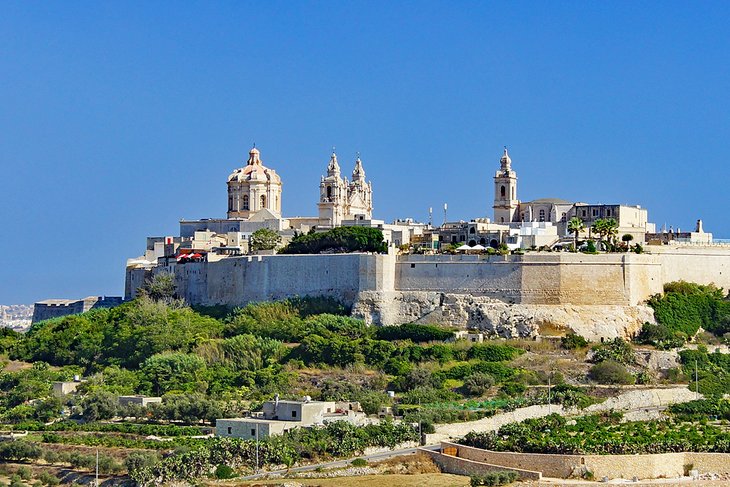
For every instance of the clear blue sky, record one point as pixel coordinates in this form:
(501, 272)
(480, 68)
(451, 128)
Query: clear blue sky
(119, 118)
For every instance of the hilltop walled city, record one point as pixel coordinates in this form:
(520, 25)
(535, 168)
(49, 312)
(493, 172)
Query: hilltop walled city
(506, 275)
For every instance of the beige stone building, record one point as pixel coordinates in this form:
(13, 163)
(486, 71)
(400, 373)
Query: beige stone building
(341, 200)
(508, 209)
(252, 188)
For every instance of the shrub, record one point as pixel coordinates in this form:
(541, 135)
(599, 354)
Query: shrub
(513, 388)
(610, 372)
(493, 353)
(618, 350)
(359, 462)
(660, 336)
(493, 479)
(414, 332)
(19, 451)
(48, 478)
(478, 384)
(223, 472)
(571, 341)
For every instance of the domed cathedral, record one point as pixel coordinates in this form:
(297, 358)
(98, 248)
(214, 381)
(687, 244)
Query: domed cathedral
(342, 200)
(506, 205)
(253, 188)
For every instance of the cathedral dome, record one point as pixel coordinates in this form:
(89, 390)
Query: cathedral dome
(254, 170)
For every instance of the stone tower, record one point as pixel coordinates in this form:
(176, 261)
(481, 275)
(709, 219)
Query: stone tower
(332, 195)
(506, 204)
(253, 188)
(340, 199)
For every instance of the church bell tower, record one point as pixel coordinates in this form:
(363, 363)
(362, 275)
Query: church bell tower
(506, 204)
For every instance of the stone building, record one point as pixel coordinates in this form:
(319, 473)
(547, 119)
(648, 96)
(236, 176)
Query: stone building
(341, 200)
(252, 188)
(508, 209)
(54, 308)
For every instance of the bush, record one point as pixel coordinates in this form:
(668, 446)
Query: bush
(48, 478)
(571, 341)
(513, 389)
(610, 372)
(478, 384)
(223, 472)
(493, 353)
(414, 332)
(359, 462)
(617, 350)
(19, 451)
(660, 336)
(493, 479)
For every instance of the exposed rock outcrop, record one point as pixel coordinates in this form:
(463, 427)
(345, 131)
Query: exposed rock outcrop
(501, 319)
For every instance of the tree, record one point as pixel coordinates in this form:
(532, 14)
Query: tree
(161, 287)
(264, 239)
(174, 371)
(99, 404)
(575, 226)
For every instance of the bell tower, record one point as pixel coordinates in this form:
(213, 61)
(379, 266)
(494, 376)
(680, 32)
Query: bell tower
(506, 204)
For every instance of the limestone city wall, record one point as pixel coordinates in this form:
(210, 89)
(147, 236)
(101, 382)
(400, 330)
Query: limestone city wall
(649, 466)
(512, 295)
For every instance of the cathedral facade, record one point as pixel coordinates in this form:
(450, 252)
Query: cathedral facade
(340, 199)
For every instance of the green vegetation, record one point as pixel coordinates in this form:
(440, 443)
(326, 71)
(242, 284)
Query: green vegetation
(683, 309)
(338, 240)
(492, 479)
(702, 410)
(336, 439)
(602, 435)
(264, 239)
(713, 371)
(572, 341)
(415, 333)
(610, 372)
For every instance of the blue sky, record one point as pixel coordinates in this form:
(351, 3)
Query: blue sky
(119, 118)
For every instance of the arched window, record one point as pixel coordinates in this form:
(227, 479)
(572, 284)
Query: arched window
(542, 215)
(501, 219)
(502, 191)
(563, 218)
(245, 202)
(329, 193)
(263, 201)
(472, 231)
(230, 203)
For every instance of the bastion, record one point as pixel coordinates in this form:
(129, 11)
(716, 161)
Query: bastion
(598, 296)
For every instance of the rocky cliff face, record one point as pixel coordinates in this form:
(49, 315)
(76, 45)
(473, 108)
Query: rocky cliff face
(498, 318)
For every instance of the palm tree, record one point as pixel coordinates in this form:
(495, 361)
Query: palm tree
(611, 230)
(575, 226)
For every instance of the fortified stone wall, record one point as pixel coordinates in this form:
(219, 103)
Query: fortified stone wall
(535, 278)
(594, 295)
(236, 281)
(649, 466)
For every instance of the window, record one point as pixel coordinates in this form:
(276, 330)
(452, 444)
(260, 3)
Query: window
(502, 191)
(542, 215)
(501, 219)
(293, 414)
(230, 203)
(608, 211)
(522, 216)
(229, 430)
(563, 217)
(472, 231)
(263, 201)
(595, 212)
(413, 266)
(583, 212)
(329, 193)
(245, 202)
(253, 432)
